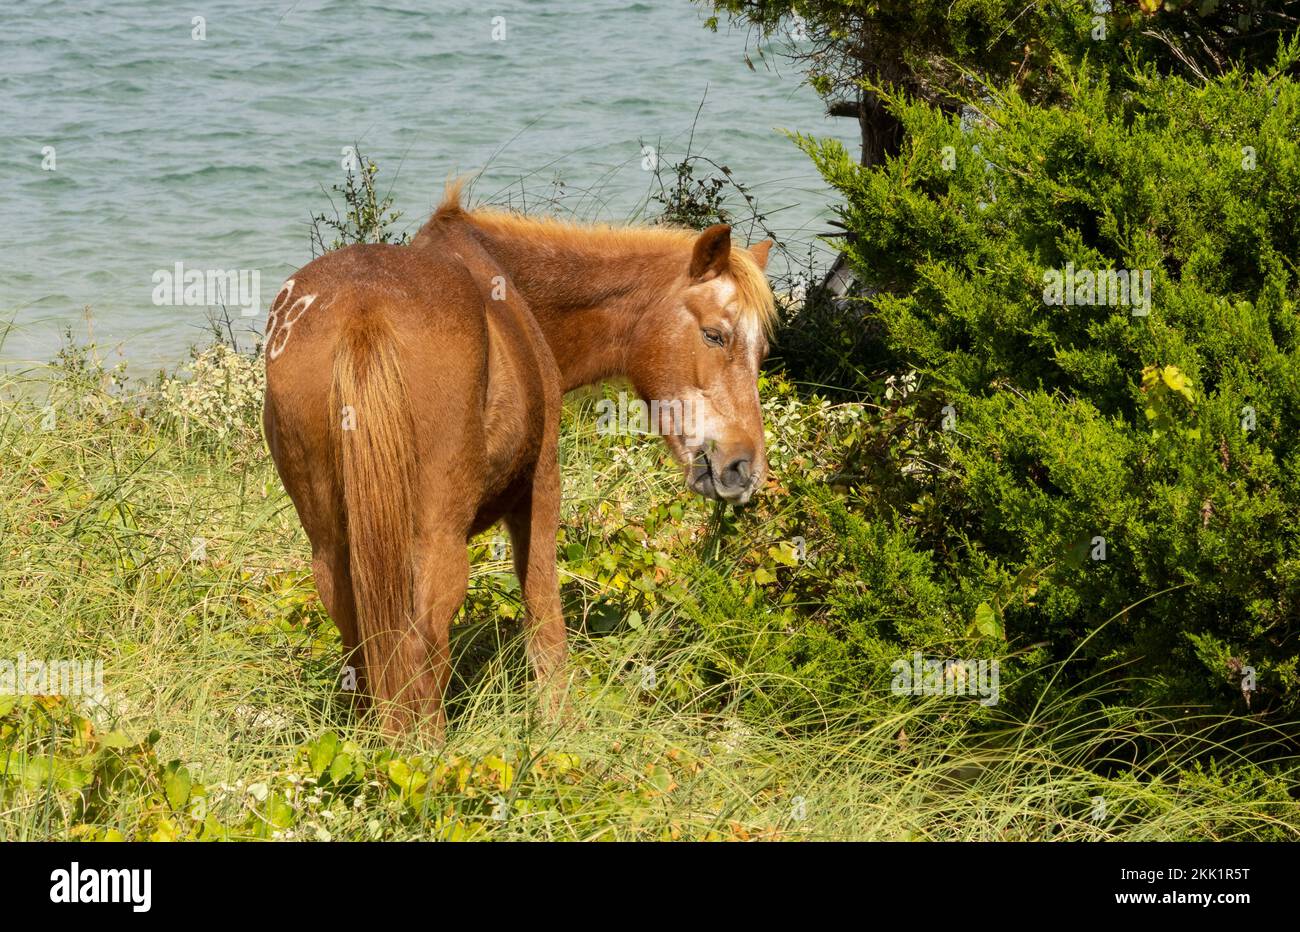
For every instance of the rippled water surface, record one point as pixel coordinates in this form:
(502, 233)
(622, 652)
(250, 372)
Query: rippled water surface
(215, 153)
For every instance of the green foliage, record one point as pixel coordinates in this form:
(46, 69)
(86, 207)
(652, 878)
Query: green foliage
(714, 692)
(367, 216)
(938, 50)
(1115, 486)
(733, 673)
(218, 401)
(690, 201)
(700, 192)
(925, 45)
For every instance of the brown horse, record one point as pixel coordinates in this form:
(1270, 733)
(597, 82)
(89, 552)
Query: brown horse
(413, 400)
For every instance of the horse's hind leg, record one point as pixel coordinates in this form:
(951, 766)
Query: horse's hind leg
(533, 524)
(329, 567)
(320, 507)
(442, 578)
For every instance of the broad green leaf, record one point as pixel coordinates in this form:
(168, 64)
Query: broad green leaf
(322, 752)
(340, 767)
(987, 621)
(176, 784)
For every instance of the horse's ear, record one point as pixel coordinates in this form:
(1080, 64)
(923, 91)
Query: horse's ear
(712, 253)
(760, 251)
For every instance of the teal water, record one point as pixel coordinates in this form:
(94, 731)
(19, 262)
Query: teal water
(215, 153)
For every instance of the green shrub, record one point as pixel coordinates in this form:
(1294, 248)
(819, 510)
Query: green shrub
(1121, 485)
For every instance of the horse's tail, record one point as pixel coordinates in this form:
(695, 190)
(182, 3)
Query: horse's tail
(371, 408)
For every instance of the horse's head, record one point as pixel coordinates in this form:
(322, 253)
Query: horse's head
(699, 366)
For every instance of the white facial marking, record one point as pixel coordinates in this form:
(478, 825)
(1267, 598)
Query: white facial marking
(750, 328)
(705, 423)
(724, 290)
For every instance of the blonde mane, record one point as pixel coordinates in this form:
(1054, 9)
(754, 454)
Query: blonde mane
(753, 292)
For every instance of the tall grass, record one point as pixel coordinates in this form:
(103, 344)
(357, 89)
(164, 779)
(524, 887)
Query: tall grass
(174, 557)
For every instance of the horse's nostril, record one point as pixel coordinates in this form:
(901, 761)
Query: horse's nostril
(737, 473)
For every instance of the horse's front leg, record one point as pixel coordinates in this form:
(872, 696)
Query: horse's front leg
(533, 524)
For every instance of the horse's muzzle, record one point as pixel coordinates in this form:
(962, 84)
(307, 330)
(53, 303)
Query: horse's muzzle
(733, 483)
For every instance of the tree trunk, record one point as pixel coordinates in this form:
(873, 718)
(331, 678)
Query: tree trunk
(882, 134)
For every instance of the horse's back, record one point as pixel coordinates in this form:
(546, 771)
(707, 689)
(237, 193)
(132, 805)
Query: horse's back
(473, 385)
(383, 283)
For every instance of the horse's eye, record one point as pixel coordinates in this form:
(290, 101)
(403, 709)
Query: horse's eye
(714, 337)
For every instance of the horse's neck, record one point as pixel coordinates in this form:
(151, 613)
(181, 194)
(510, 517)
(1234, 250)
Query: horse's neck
(591, 305)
